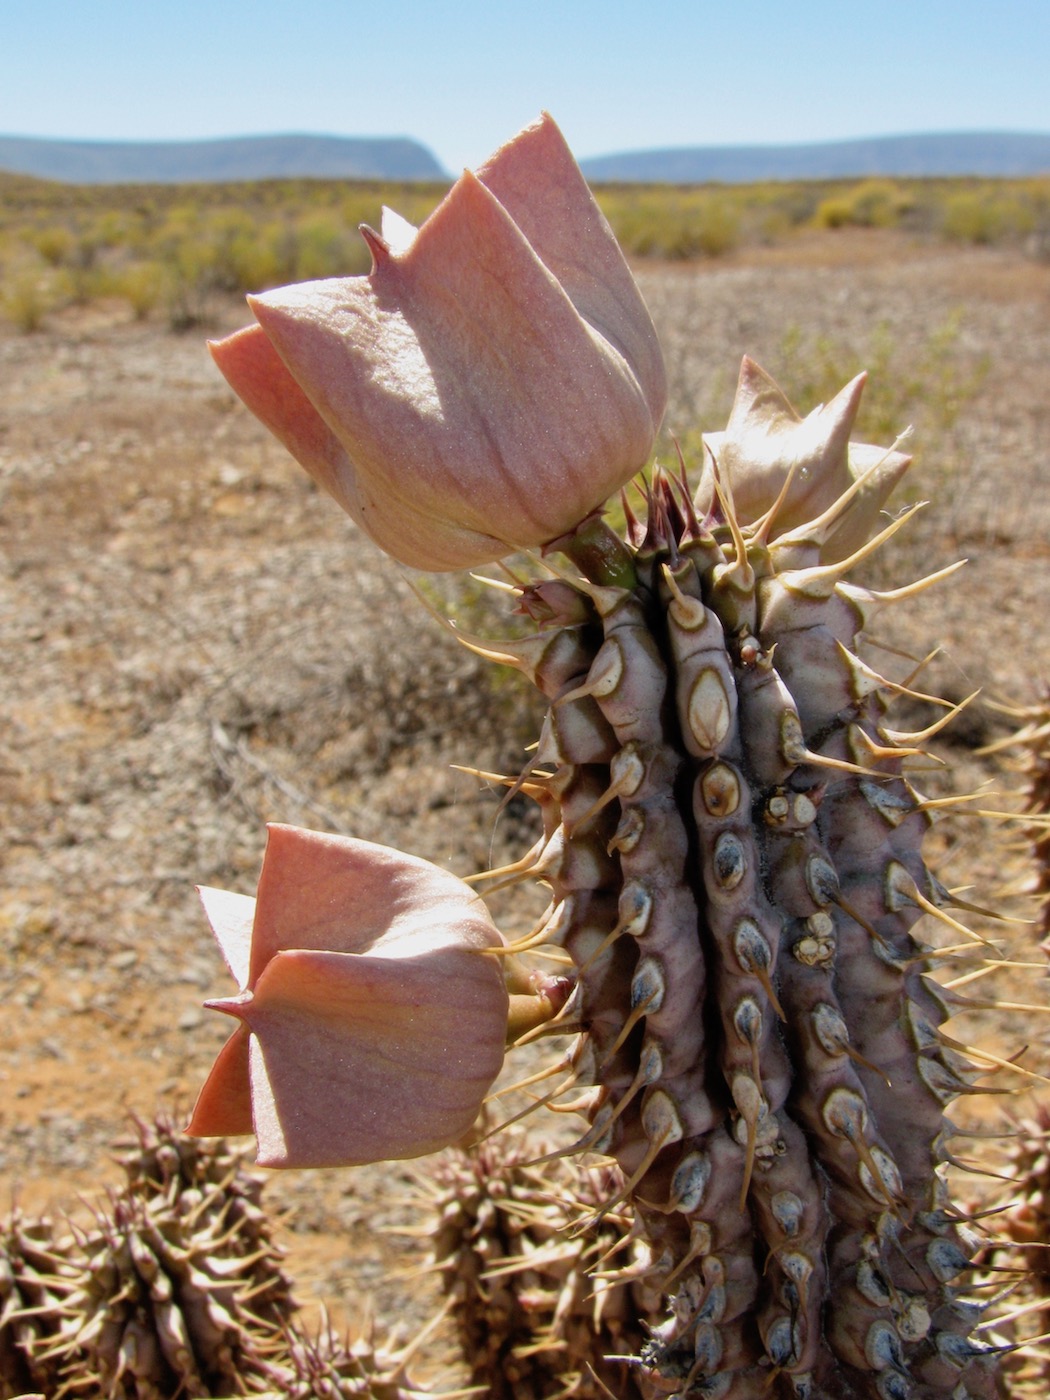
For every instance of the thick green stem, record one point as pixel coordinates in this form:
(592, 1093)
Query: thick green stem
(599, 553)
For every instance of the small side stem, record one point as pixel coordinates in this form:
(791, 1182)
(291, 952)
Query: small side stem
(599, 553)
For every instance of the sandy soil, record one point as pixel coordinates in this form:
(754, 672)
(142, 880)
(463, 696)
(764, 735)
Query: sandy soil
(195, 642)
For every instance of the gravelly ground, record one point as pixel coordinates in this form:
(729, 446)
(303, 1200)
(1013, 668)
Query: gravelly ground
(195, 642)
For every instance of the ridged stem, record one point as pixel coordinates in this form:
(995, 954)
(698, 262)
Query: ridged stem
(599, 553)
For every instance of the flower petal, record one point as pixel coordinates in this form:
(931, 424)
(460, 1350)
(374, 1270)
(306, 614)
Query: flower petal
(341, 895)
(224, 1107)
(256, 373)
(536, 179)
(398, 233)
(231, 917)
(357, 1059)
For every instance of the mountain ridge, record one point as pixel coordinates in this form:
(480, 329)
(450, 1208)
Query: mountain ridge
(921, 155)
(285, 155)
(293, 155)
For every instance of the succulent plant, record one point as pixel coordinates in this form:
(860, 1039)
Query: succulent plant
(1026, 1219)
(209, 1181)
(177, 1289)
(734, 851)
(533, 1317)
(319, 1365)
(1029, 746)
(36, 1277)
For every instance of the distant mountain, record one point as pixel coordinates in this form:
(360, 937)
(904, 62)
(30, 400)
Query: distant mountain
(229, 158)
(995, 153)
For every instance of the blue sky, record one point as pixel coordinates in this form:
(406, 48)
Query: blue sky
(463, 75)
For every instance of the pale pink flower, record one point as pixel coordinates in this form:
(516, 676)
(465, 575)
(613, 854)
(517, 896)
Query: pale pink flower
(371, 1024)
(766, 441)
(494, 379)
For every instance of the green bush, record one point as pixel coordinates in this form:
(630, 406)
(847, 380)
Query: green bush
(142, 285)
(54, 244)
(871, 204)
(26, 299)
(713, 230)
(324, 246)
(671, 223)
(988, 216)
(189, 285)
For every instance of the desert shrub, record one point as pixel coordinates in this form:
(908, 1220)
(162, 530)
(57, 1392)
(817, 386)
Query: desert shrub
(325, 247)
(792, 204)
(363, 204)
(880, 204)
(636, 222)
(833, 212)
(83, 278)
(84, 253)
(252, 259)
(141, 228)
(871, 204)
(241, 254)
(141, 284)
(671, 223)
(54, 244)
(771, 213)
(111, 229)
(188, 287)
(970, 218)
(26, 299)
(712, 230)
(228, 239)
(987, 215)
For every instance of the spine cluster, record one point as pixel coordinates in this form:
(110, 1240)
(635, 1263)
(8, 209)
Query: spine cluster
(735, 857)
